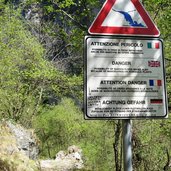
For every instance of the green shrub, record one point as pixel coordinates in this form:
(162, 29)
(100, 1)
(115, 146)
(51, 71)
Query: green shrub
(64, 125)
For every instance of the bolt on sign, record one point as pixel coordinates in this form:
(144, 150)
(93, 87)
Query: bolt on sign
(124, 78)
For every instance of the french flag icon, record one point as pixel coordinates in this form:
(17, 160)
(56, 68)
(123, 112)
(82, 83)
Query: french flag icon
(155, 82)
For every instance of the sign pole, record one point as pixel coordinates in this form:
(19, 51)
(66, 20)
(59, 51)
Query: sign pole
(127, 144)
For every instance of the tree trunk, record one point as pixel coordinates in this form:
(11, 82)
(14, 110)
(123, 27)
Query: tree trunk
(117, 146)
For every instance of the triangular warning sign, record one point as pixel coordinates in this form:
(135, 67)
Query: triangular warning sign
(123, 17)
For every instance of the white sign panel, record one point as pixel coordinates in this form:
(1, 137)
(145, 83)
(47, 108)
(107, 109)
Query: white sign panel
(124, 78)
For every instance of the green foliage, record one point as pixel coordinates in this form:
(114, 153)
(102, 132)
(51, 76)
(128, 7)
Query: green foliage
(151, 144)
(19, 50)
(66, 3)
(63, 125)
(26, 77)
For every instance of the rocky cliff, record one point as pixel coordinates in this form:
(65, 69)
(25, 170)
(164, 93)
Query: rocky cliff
(19, 152)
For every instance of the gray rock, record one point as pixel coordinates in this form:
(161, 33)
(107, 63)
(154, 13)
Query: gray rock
(65, 161)
(26, 142)
(19, 146)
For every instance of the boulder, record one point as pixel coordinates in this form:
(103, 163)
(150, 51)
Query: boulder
(64, 161)
(25, 139)
(11, 157)
(19, 152)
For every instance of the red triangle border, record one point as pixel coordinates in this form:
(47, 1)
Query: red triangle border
(98, 29)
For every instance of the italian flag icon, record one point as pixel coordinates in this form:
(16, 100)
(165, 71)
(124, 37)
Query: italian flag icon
(153, 45)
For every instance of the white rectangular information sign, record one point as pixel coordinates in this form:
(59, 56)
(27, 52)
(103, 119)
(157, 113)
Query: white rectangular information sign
(124, 78)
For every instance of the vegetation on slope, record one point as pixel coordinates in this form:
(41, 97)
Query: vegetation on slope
(41, 83)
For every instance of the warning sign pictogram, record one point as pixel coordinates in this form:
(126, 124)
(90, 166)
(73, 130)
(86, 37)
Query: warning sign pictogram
(120, 17)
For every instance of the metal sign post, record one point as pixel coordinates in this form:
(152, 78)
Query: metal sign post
(127, 144)
(125, 79)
